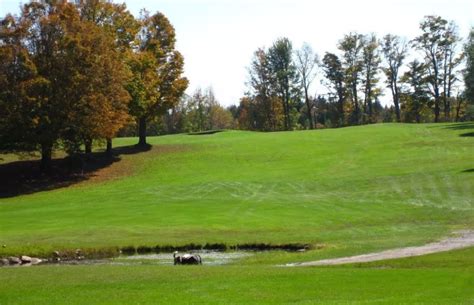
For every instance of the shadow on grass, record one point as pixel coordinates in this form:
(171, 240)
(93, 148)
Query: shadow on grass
(464, 126)
(24, 177)
(460, 126)
(205, 133)
(471, 170)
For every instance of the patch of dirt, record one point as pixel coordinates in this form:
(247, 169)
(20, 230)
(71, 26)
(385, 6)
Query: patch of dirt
(126, 167)
(464, 239)
(117, 170)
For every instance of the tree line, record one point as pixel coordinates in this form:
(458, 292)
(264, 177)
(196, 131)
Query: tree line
(200, 111)
(424, 89)
(75, 73)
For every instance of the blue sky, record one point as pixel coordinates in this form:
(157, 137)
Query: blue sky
(218, 37)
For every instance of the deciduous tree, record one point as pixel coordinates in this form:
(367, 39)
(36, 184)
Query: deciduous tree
(67, 81)
(438, 42)
(395, 51)
(334, 73)
(306, 62)
(282, 67)
(115, 20)
(262, 92)
(157, 83)
(371, 65)
(469, 74)
(352, 46)
(416, 96)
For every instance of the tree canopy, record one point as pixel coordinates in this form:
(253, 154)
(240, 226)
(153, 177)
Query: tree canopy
(72, 73)
(421, 90)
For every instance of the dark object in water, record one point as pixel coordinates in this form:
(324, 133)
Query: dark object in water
(14, 260)
(187, 259)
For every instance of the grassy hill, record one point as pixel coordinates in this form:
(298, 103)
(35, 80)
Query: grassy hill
(349, 190)
(346, 191)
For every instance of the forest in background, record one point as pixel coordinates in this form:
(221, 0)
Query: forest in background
(75, 74)
(429, 79)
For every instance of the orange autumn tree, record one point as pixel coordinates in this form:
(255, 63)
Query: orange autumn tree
(101, 101)
(115, 20)
(157, 83)
(66, 80)
(18, 80)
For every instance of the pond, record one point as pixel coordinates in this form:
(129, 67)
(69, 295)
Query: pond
(209, 258)
(212, 258)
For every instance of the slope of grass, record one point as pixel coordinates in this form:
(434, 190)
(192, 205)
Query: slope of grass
(352, 190)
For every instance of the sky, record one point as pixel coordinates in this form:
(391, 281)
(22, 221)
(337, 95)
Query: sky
(218, 37)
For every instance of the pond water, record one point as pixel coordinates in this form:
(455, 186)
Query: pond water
(210, 258)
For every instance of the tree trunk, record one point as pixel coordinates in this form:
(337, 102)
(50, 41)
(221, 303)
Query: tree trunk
(308, 107)
(46, 156)
(356, 103)
(310, 116)
(396, 102)
(273, 116)
(369, 104)
(171, 121)
(458, 109)
(445, 87)
(142, 131)
(446, 108)
(285, 115)
(367, 111)
(450, 84)
(341, 113)
(285, 112)
(108, 149)
(434, 63)
(286, 100)
(436, 110)
(288, 114)
(397, 110)
(88, 146)
(341, 105)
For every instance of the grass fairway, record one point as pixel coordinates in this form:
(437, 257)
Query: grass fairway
(352, 190)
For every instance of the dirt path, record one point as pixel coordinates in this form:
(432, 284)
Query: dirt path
(463, 239)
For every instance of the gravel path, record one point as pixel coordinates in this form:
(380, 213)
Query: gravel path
(462, 239)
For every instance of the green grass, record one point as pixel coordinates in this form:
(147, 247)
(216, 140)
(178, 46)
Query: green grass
(445, 278)
(352, 190)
